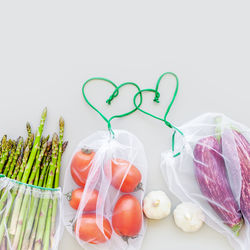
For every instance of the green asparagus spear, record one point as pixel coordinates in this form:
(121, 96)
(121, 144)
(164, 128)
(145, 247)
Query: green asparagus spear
(49, 144)
(5, 154)
(43, 140)
(3, 144)
(46, 176)
(25, 158)
(25, 205)
(46, 139)
(37, 217)
(7, 211)
(44, 169)
(18, 165)
(26, 174)
(52, 170)
(47, 204)
(26, 143)
(21, 231)
(38, 151)
(10, 159)
(37, 177)
(16, 155)
(58, 165)
(51, 235)
(30, 143)
(27, 219)
(3, 198)
(37, 164)
(21, 224)
(32, 238)
(46, 237)
(28, 127)
(29, 230)
(65, 144)
(0, 149)
(35, 147)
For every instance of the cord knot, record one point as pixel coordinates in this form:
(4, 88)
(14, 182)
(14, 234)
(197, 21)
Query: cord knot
(168, 124)
(115, 94)
(157, 96)
(109, 100)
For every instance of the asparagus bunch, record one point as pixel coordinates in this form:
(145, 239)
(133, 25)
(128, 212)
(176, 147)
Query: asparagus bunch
(30, 214)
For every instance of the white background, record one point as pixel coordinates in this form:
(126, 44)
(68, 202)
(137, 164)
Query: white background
(48, 48)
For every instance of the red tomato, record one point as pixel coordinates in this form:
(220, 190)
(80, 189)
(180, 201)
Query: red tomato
(89, 230)
(76, 196)
(80, 166)
(127, 216)
(125, 177)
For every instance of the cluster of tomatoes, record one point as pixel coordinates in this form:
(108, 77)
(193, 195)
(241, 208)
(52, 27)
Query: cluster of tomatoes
(127, 214)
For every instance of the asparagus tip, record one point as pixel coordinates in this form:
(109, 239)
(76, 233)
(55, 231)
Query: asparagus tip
(64, 146)
(55, 136)
(49, 145)
(61, 122)
(44, 113)
(32, 137)
(28, 126)
(9, 144)
(45, 145)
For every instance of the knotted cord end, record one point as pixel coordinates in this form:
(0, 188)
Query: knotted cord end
(157, 96)
(168, 124)
(109, 100)
(112, 97)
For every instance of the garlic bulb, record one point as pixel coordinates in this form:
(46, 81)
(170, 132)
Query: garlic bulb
(156, 205)
(189, 217)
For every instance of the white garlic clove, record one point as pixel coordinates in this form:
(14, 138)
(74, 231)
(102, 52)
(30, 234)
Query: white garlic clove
(188, 217)
(156, 205)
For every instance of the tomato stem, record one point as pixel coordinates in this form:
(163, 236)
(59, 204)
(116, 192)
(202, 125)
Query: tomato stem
(68, 196)
(87, 151)
(139, 187)
(126, 238)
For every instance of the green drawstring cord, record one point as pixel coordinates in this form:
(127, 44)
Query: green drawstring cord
(156, 99)
(114, 94)
(173, 142)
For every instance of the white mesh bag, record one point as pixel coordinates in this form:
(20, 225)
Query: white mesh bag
(210, 166)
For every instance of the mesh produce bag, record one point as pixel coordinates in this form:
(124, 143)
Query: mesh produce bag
(104, 186)
(210, 166)
(24, 218)
(111, 173)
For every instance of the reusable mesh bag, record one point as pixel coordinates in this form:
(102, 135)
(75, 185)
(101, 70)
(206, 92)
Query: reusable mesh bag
(108, 170)
(209, 165)
(125, 150)
(24, 218)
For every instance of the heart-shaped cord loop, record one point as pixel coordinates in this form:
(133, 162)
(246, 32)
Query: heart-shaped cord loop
(156, 99)
(114, 94)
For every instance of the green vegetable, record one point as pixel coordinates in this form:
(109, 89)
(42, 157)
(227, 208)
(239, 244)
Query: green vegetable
(15, 157)
(10, 159)
(5, 154)
(30, 219)
(46, 203)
